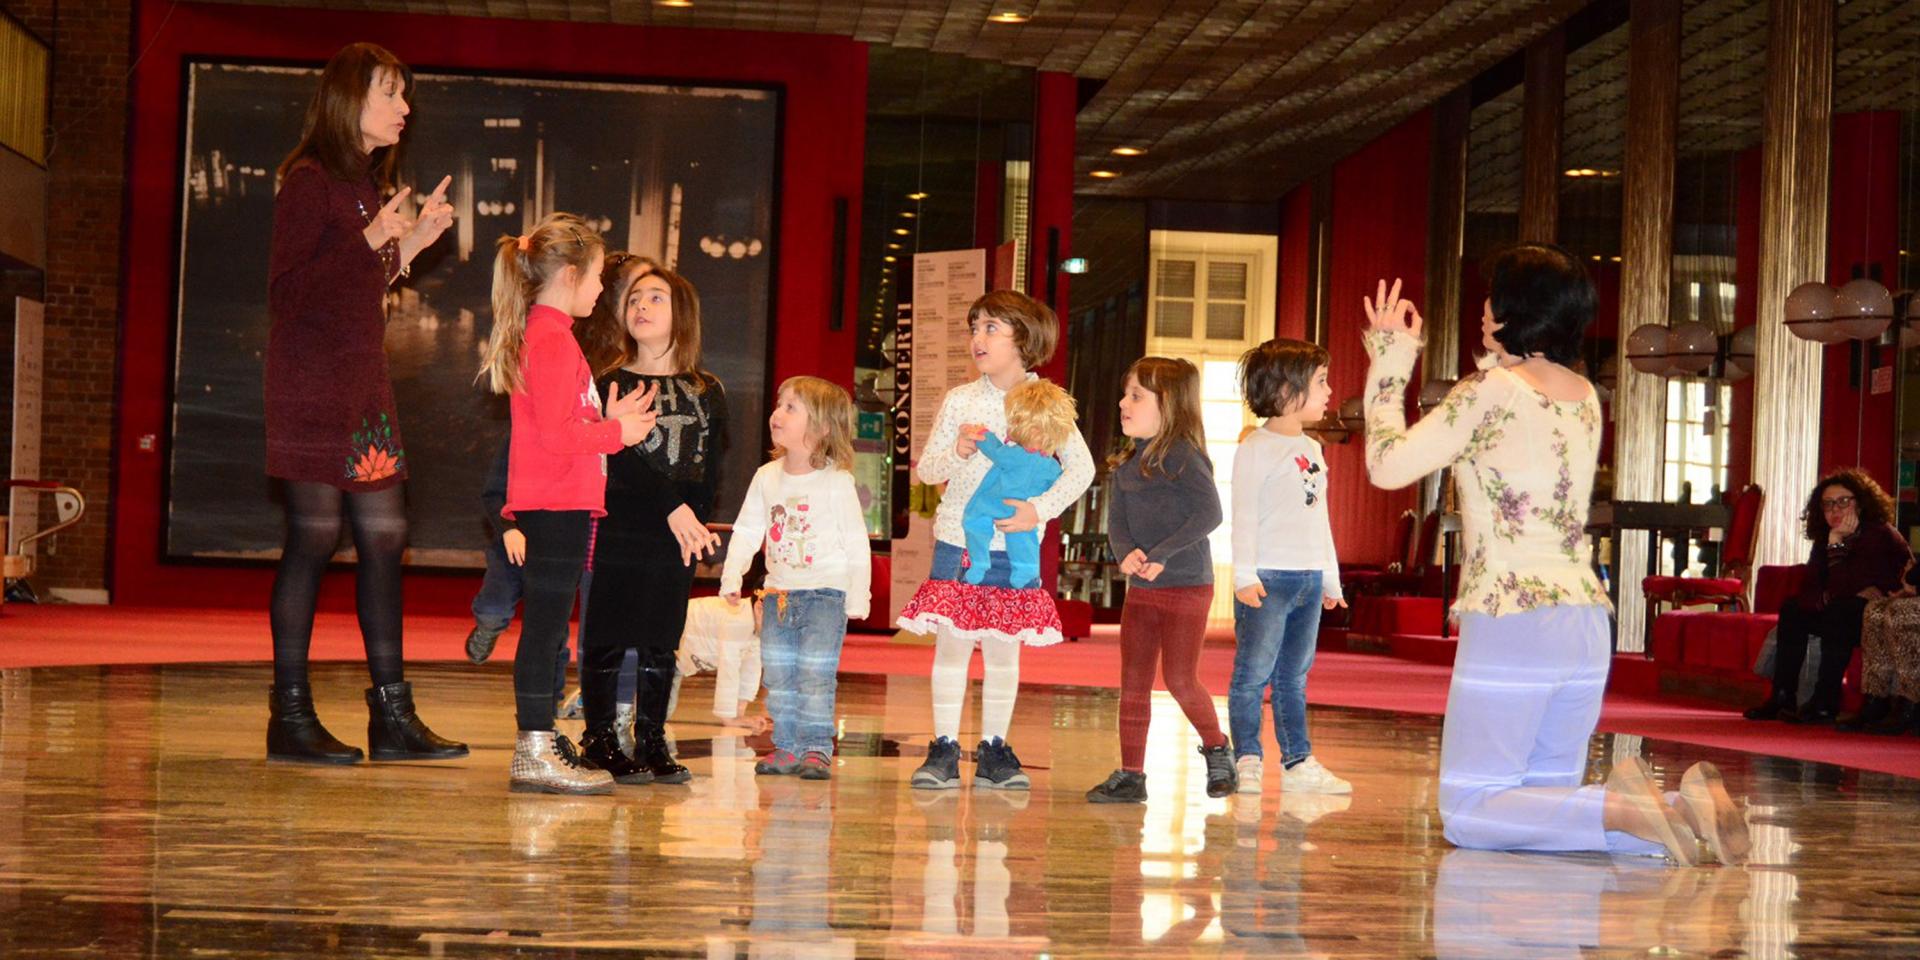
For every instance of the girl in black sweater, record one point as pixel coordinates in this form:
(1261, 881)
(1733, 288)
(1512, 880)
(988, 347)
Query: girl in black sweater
(660, 493)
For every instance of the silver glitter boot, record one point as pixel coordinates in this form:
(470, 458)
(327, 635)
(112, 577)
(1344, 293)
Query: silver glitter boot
(545, 762)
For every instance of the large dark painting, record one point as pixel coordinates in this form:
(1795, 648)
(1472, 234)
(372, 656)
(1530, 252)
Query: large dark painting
(683, 174)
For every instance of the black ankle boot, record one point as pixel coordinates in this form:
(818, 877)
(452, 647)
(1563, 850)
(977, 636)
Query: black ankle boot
(601, 747)
(294, 732)
(1776, 704)
(1899, 718)
(394, 731)
(650, 727)
(1872, 710)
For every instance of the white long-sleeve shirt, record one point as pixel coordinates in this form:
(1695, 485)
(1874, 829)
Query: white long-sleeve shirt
(813, 531)
(1280, 510)
(983, 403)
(720, 639)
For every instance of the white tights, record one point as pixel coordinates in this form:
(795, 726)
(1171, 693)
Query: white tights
(951, 657)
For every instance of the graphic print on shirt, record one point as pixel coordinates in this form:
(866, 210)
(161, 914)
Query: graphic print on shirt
(1313, 480)
(678, 408)
(790, 534)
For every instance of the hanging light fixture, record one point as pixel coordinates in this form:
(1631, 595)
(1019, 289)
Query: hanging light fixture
(1647, 349)
(1690, 348)
(1741, 351)
(1810, 313)
(1862, 309)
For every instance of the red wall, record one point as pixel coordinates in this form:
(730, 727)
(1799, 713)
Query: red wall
(1856, 425)
(1379, 230)
(824, 81)
(1746, 312)
(1296, 268)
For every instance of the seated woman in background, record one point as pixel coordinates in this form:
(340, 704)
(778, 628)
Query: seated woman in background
(1890, 662)
(1857, 557)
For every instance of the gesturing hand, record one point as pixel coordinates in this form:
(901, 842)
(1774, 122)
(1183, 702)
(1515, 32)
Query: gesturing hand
(1386, 311)
(695, 539)
(639, 401)
(436, 215)
(389, 223)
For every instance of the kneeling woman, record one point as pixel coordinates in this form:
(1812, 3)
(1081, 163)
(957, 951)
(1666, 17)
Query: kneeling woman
(1523, 439)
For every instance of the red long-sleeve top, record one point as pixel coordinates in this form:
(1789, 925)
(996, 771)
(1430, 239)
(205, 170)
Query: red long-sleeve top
(556, 458)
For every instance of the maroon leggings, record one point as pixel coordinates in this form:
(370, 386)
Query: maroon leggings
(1168, 625)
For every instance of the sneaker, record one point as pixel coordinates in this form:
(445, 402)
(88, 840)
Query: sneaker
(480, 642)
(570, 707)
(779, 763)
(942, 769)
(1121, 786)
(545, 762)
(816, 766)
(996, 768)
(1248, 770)
(1221, 778)
(1308, 776)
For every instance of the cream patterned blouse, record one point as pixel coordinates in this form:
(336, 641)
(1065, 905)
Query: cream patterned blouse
(1523, 469)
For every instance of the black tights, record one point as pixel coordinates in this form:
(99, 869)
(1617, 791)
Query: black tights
(379, 522)
(556, 556)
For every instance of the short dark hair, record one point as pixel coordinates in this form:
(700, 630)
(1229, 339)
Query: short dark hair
(1035, 328)
(1869, 501)
(1542, 299)
(1275, 373)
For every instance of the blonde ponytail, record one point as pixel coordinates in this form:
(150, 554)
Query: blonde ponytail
(521, 266)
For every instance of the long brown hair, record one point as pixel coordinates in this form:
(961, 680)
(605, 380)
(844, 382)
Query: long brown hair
(521, 268)
(602, 334)
(1871, 502)
(685, 345)
(829, 421)
(331, 134)
(1175, 385)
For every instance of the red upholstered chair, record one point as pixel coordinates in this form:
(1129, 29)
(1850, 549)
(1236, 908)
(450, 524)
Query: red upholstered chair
(1736, 563)
(1420, 575)
(1364, 578)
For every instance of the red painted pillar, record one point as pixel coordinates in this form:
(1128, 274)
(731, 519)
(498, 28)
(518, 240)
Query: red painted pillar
(1856, 424)
(1055, 103)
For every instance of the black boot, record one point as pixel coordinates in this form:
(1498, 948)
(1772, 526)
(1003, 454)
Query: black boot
(1899, 719)
(650, 727)
(1776, 704)
(601, 747)
(394, 731)
(294, 732)
(1872, 710)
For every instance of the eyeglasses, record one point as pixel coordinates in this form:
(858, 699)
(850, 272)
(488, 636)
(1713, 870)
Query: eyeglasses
(1837, 503)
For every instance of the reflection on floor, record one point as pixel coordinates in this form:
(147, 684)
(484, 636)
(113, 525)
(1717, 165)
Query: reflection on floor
(137, 819)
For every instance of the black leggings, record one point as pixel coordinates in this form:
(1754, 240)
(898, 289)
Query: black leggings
(379, 523)
(556, 555)
(1838, 627)
(639, 602)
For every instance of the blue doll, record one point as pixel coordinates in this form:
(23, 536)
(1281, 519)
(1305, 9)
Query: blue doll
(1040, 418)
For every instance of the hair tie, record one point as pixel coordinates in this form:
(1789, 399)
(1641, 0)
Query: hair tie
(524, 243)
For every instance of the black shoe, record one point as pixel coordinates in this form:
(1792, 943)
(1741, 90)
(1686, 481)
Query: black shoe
(942, 769)
(394, 730)
(1121, 786)
(294, 732)
(480, 642)
(1873, 710)
(1222, 780)
(650, 727)
(1810, 715)
(601, 747)
(1900, 718)
(1770, 710)
(996, 768)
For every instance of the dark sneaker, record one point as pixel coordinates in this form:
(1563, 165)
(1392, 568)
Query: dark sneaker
(816, 766)
(480, 642)
(1122, 786)
(996, 768)
(942, 769)
(779, 763)
(1222, 779)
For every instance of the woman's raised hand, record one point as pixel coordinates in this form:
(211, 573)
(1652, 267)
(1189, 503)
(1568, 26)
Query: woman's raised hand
(389, 223)
(1386, 311)
(436, 215)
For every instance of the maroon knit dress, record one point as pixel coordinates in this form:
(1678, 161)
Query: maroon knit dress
(329, 402)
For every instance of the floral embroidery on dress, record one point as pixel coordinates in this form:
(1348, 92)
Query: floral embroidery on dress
(372, 454)
(1509, 506)
(1562, 514)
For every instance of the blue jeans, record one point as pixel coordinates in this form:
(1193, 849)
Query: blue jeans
(800, 659)
(500, 591)
(1274, 647)
(946, 566)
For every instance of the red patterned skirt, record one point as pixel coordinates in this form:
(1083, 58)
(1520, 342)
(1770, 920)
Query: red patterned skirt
(983, 613)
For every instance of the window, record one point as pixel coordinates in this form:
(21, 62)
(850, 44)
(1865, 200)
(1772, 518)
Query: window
(1696, 448)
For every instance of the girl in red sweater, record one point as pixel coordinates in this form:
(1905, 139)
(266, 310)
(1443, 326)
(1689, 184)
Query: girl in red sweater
(556, 466)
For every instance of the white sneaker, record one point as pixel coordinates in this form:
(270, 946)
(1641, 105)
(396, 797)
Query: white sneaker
(1250, 769)
(1308, 776)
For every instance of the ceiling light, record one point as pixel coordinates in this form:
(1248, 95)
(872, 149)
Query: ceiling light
(907, 214)
(889, 258)
(1127, 151)
(676, 3)
(918, 195)
(1104, 174)
(1008, 16)
(900, 231)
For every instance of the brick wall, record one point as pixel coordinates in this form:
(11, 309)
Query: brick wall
(86, 169)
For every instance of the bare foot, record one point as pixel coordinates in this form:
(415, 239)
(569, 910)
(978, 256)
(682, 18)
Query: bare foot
(1634, 805)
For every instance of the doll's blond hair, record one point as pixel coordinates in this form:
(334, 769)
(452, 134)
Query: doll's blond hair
(1040, 416)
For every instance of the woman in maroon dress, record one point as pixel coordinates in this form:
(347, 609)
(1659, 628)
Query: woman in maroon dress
(333, 435)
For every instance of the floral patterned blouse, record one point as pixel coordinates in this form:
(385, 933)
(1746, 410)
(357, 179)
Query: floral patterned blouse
(1523, 469)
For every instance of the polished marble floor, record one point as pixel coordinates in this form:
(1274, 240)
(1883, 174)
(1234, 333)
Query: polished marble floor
(138, 819)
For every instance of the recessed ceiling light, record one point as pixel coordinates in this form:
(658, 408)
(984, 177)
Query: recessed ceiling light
(675, 3)
(1104, 174)
(901, 231)
(1008, 16)
(1127, 151)
(918, 195)
(893, 246)
(907, 214)
(889, 258)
